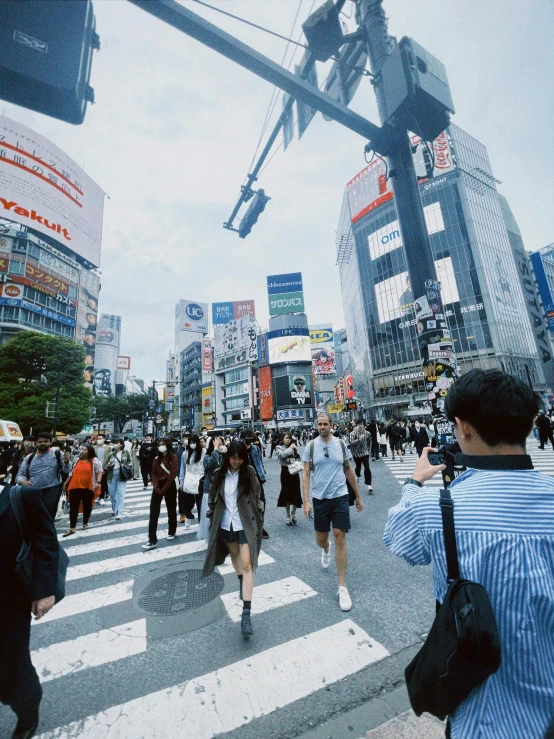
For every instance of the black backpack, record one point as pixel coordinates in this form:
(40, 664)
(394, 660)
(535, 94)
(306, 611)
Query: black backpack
(463, 647)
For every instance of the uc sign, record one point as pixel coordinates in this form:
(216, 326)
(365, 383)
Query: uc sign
(320, 336)
(194, 312)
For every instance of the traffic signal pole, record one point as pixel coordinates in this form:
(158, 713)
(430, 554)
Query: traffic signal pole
(434, 339)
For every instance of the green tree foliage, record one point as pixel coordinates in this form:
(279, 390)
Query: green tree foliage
(120, 409)
(29, 365)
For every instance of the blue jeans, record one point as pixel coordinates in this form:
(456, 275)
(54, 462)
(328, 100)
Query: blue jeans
(117, 494)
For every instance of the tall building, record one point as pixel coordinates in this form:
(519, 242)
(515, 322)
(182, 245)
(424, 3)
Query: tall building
(50, 241)
(190, 381)
(484, 302)
(191, 325)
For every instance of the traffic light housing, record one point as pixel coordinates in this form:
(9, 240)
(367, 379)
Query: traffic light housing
(251, 216)
(46, 56)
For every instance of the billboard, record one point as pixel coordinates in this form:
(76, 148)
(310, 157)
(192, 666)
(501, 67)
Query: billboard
(191, 316)
(225, 312)
(207, 362)
(123, 363)
(289, 345)
(44, 189)
(87, 312)
(107, 340)
(372, 186)
(233, 336)
(394, 295)
(207, 406)
(265, 393)
(388, 238)
(285, 293)
(544, 288)
(263, 358)
(322, 344)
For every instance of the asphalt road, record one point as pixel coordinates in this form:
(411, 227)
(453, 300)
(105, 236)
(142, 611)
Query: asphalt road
(112, 668)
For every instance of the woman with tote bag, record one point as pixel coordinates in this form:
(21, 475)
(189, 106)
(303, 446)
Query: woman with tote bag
(194, 473)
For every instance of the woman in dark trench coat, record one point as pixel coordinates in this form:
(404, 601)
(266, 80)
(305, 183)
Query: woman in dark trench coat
(235, 510)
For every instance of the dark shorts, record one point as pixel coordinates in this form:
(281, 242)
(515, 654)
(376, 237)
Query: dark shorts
(331, 511)
(233, 537)
(396, 445)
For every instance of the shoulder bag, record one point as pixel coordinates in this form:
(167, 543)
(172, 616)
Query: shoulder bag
(24, 563)
(463, 647)
(125, 470)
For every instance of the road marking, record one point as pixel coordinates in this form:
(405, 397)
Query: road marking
(99, 529)
(269, 596)
(122, 541)
(114, 564)
(263, 559)
(233, 696)
(89, 600)
(91, 650)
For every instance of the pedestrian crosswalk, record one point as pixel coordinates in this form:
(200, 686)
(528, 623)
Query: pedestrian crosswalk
(543, 460)
(98, 635)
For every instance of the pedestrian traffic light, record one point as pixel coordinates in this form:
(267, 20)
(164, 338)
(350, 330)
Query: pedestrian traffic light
(256, 207)
(46, 56)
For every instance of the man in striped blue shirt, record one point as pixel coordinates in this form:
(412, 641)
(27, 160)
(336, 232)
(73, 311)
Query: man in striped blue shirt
(504, 519)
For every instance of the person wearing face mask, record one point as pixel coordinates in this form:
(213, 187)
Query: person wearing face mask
(84, 479)
(194, 472)
(164, 472)
(147, 452)
(182, 467)
(117, 459)
(135, 448)
(421, 437)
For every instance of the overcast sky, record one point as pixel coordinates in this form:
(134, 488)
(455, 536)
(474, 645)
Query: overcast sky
(175, 126)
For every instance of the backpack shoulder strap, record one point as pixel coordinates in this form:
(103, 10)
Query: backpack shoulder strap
(312, 442)
(449, 534)
(18, 510)
(29, 460)
(345, 462)
(58, 454)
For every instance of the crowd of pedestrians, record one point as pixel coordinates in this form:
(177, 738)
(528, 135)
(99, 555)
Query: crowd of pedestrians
(504, 520)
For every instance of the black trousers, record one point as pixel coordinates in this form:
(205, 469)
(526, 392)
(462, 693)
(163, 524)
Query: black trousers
(367, 472)
(155, 505)
(104, 487)
(19, 684)
(76, 497)
(546, 437)
(374, 449)
(51, 497)
(146, 472)
(186, 504)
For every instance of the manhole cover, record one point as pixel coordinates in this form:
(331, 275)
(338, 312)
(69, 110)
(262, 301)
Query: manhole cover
(180, 590)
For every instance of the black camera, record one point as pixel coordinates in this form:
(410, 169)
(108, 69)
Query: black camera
(448, 454)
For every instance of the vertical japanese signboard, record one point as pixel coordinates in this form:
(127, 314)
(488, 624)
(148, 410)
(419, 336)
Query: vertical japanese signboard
(266, 393)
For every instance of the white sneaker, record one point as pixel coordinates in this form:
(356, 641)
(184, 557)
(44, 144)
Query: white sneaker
(148, 545)
(118, 518)
(326, 556)
(345, 602)
(170, 537)
(369, 489)
(187, 523)
(101, 501)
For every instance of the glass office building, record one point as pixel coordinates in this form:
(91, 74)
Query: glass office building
(484, 302)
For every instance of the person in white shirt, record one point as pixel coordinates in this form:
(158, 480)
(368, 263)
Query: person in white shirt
(235, 509)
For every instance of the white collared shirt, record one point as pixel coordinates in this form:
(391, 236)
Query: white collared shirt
(231, 514)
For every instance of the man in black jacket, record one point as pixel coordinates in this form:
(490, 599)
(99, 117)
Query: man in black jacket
(542, 422)
(19, 684)
(147, 452)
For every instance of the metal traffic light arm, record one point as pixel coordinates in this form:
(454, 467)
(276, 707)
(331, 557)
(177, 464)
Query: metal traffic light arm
(202, 30)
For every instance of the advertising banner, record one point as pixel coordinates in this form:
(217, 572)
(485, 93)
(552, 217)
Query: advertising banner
(233, 337)
(123, 363)
(290, 415)
(388, 238)
(335, 408)
(300, 389)
(285, 293)
(262, 350)
(87, 311)
(207, 406)
(289, 345)
(107, 340)
(371, 188)
(322, 344)
(191, 316)
(349, 385)
(265, 390)
(44, 189)
(207, 363)
(225, 312)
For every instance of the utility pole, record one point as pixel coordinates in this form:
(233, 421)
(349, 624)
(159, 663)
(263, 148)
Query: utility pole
(432, 326)
(57, 402)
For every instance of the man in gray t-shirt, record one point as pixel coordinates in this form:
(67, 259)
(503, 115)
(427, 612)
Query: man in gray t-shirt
(325, 459)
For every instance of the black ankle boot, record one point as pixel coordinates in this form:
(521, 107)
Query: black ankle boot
(246, 624)
(25, 729)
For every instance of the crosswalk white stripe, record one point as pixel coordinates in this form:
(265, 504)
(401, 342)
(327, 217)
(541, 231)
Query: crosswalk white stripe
(94, 524)
(263, 559)
(89, 600)
(114, 564)
(140, 508)
(116, 543)
(115, 528)
(269, 596)
(91, 650)
(228, 698)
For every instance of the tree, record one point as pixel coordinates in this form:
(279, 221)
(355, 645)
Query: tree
(29, 365)
(120, 409)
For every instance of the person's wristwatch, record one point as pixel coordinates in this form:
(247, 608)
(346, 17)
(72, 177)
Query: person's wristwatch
(411, 481)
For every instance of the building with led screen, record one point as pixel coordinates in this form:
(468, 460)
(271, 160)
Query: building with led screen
(484, 301)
